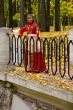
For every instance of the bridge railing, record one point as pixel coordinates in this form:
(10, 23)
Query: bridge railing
(55, 52)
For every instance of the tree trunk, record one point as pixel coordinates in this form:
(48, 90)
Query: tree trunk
(29, 6)
(1, 13)
(48, 14)
(22, 21)
(14, 7)
(51, 20)
(57, 15)
(42, 15)
(10, 13)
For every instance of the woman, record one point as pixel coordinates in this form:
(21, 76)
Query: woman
(37, 59)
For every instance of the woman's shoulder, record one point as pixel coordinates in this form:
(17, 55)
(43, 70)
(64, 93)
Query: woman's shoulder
(35, 24)
(25, 27)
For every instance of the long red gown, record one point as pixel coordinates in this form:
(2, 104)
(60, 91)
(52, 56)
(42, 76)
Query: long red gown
(37, 58)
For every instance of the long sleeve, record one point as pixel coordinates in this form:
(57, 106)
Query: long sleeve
(37, 30)
(22, 30)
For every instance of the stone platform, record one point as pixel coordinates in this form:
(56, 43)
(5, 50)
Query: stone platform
(60, 98)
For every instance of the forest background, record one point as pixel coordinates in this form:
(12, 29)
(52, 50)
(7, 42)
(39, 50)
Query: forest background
(48, 13)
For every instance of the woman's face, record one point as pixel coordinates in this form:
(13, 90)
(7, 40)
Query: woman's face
(29, 19)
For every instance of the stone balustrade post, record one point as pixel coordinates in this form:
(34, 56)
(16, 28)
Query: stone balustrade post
(4, 49)
(71, 46)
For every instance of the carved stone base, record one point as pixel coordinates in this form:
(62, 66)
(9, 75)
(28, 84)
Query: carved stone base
(37, 104)
(5, 96)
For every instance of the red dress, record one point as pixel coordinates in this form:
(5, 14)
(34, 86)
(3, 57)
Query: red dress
(37, 58)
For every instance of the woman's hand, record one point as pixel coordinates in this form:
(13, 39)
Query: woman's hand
(32, 35)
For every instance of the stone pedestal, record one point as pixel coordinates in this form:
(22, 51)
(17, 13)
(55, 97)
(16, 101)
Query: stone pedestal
(71, 46)
(6, 94)
(5, 48)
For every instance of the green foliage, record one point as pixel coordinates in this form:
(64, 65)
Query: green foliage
(66, 8)
(52, 7)
(16, 16)
(35, 9)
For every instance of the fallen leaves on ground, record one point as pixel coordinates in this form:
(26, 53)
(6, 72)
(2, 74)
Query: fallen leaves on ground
(53, 34)
(44, 79)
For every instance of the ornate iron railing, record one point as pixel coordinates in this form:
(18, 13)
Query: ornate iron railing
(55, 51)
